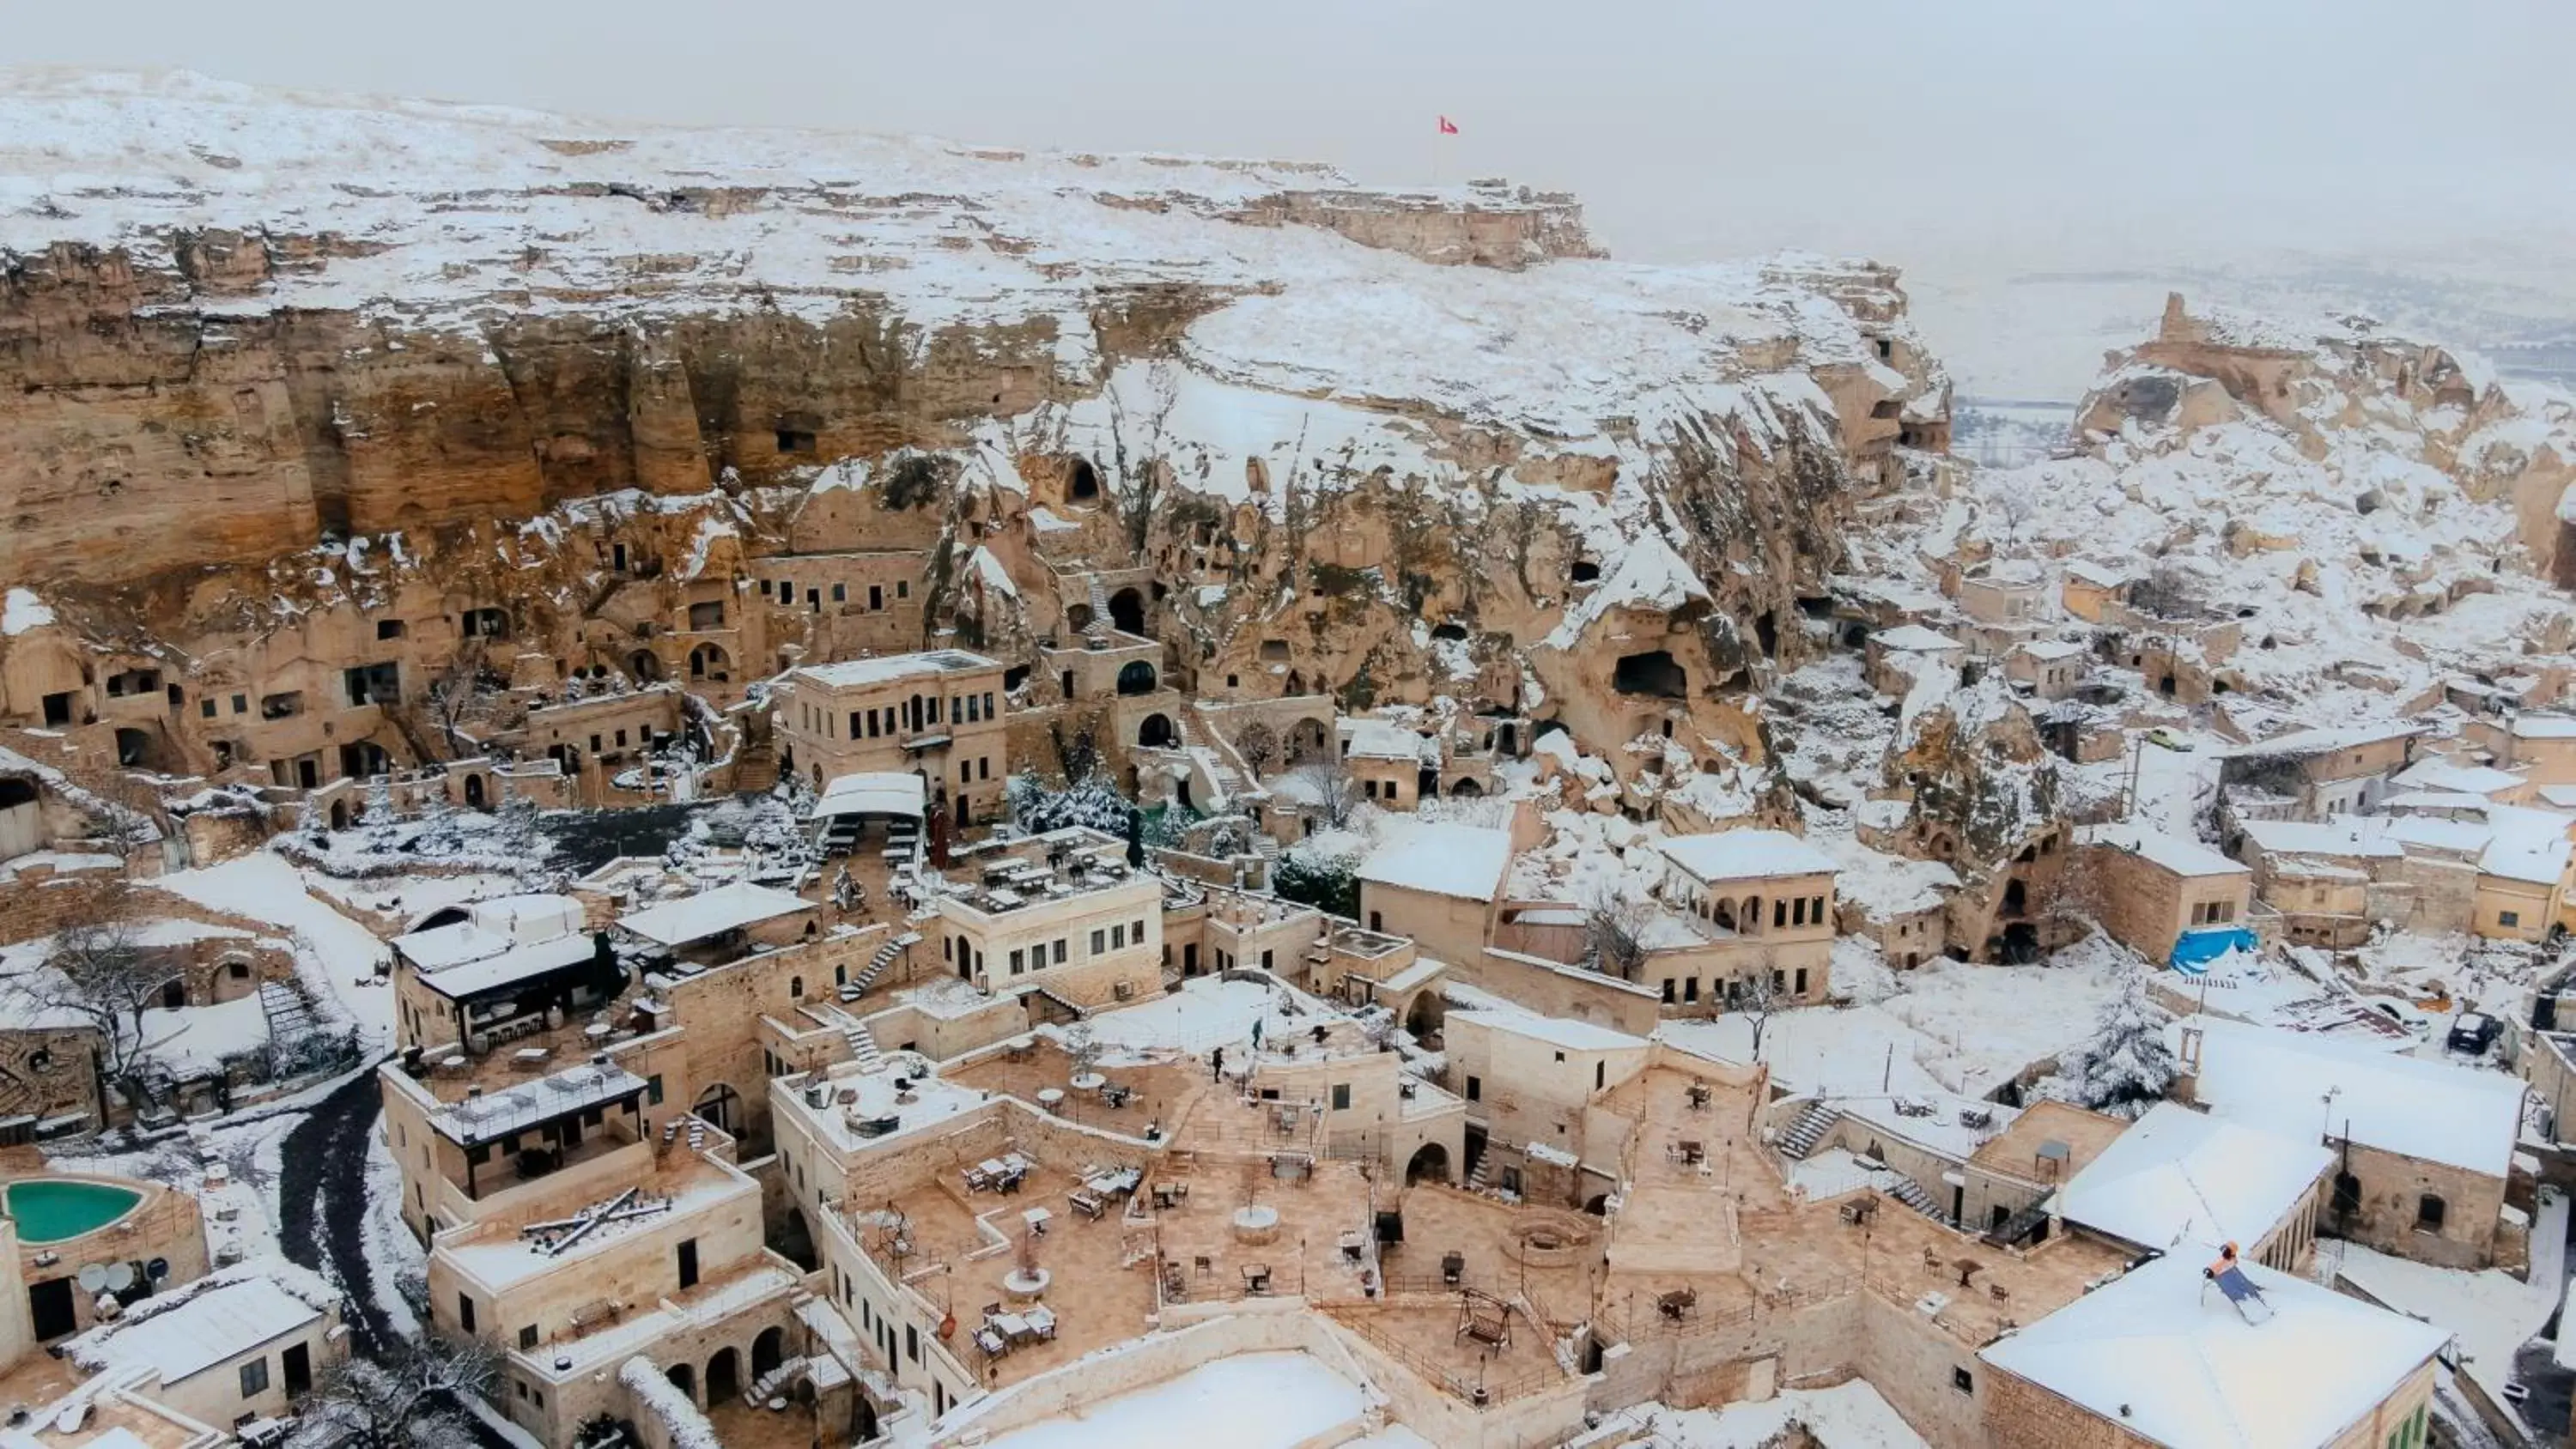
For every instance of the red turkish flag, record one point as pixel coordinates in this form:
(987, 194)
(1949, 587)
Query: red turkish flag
(1448, 127)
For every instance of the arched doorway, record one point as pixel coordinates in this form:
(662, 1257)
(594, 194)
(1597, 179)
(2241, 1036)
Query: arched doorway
(1077, 617)
(232, 980)
(686, 1378)
(644, 666)
(709, 661)
(1082, 481)
(767, 1352)
(1156, 733)
(1296, 684)
(339, 814)
(2016, 898)
(1308, 740)
(133, 746)
(474, 792)
(720, 1107)
(1136, 677)
(1430, 1163)
(1127, 610)
(1466, 790)
(724, 1377)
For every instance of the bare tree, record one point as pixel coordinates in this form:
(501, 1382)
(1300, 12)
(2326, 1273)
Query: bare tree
(412, 1398)
(456, 686)
(2015, 505)
(1754, 997)
(1614, 929)
(100, 974)
(1258, 744)
(1325, 782)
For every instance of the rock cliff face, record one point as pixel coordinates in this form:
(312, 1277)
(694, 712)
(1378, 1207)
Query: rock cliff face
(1382, 445)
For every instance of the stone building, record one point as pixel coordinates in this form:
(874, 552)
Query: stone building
(2541, 747)
(2323, 772)
(1067, 920)
(2156, 892)
(1756, 904)
(2421, 1149)
(240, 1344)
(938, 714)
(2159, 1357)
(1529, 1082)
(2178, 1180)
(1440, 884)
(2050, 667)
(1895, 654)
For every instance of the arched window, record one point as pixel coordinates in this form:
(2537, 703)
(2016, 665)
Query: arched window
(796, 988)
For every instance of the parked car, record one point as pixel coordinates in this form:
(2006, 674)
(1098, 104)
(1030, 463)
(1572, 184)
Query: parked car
(2167, 738)
(2474, 1032)
(2404, 1014)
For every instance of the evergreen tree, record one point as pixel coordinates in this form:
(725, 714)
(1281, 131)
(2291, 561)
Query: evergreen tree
(2126, 1066)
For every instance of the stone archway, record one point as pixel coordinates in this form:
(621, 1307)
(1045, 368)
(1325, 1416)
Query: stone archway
(685, 1378)
(1127, 610)
(1309, 739)
(720, 1107)
(724, 1376)
(768, 1351)
(645, 666)
(709, 661)
(1156, 733)
(1430, 1163)
(339, 814)
(1135, 677)
(474, 792)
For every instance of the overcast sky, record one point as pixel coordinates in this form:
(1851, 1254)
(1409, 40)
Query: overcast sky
(1693, 128)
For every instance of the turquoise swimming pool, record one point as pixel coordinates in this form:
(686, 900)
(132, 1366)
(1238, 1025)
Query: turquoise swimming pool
(50, 1209)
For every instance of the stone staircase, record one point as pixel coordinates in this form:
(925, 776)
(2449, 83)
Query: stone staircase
(775, 1382)
(1097, 631)
(1807, 1131)
(1909, 1192)
(1481, 1180)
(877, 965)
(863, 1045)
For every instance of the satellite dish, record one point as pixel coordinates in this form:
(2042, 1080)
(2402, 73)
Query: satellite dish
(120, 1276)
(157, 1269)
(92, 1277)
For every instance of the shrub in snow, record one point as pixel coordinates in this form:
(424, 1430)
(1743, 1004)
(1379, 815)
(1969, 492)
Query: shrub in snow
(1325, 881)
(1089, 801)
(2125, 1067)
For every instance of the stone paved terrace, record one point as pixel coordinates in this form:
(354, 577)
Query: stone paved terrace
(1295, 1228)
(1164, 1093)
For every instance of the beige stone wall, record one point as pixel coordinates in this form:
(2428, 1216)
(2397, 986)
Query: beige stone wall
(1551, 989)
(2146, 907)
(2529, 904)
(2393, 1189)
(823, 733)
(1443, 928)
(1110, 939)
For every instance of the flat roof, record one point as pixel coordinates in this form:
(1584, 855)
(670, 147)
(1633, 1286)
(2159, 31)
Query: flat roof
(2162, 1355)
(2179, 1180)
(1504, 1015)
(495, 1115)
(2169, 852)
(2278, 1080)
(728, 907)
(204, 1329)
(2353, 835)
(1913, 639)
(2301, 743)
(892, 667)
(512, 964)
(1442, 858)
(1745, 855)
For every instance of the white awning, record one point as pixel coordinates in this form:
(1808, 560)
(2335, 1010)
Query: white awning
(873, 792)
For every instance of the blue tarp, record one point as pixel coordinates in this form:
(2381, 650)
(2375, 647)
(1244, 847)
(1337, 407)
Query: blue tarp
(2194, 950)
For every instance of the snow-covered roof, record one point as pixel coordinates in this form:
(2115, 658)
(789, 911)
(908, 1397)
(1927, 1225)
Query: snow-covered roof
(2561, 796)
(1913, 639)
(728, 907)
(506, 939)
(2279, 1080)
(2163, 1355)
(1442, 858)
(2451, 777)
(2181, 1181)
(1377, 739)
(2048, 651)
(2302, 743)
(495, 1115)
(1883, 885)
(892, 667)
(2544, 727)
(1504, 1015)
(512, 963)
(872, 792)
(2099, 575)
(2167, 851)
(1744, 855)
(2528, 845)
(2353, 835)
(248, 1307)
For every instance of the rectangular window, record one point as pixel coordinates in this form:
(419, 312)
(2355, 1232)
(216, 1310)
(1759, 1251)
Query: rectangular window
(1690, 989)
(1117, 937)
(840, 593)
(1961, 1380)
(1475, 1089)
(1779, 913)
(1600, 1075)
(876, 596)
(241, 703)
(206, 707)
(1798, 911)
(688, 1263)
(983, 767)
(1017, 962)
(465, 1313)
(254, 1377)
(1668, 990)
(1802, 981)
(2508, 918)
(988, 706)
(912, 1342)
(527, 1335)
(1099, 942)
(903, 588)
(1060, 944)
(1341, 1096)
